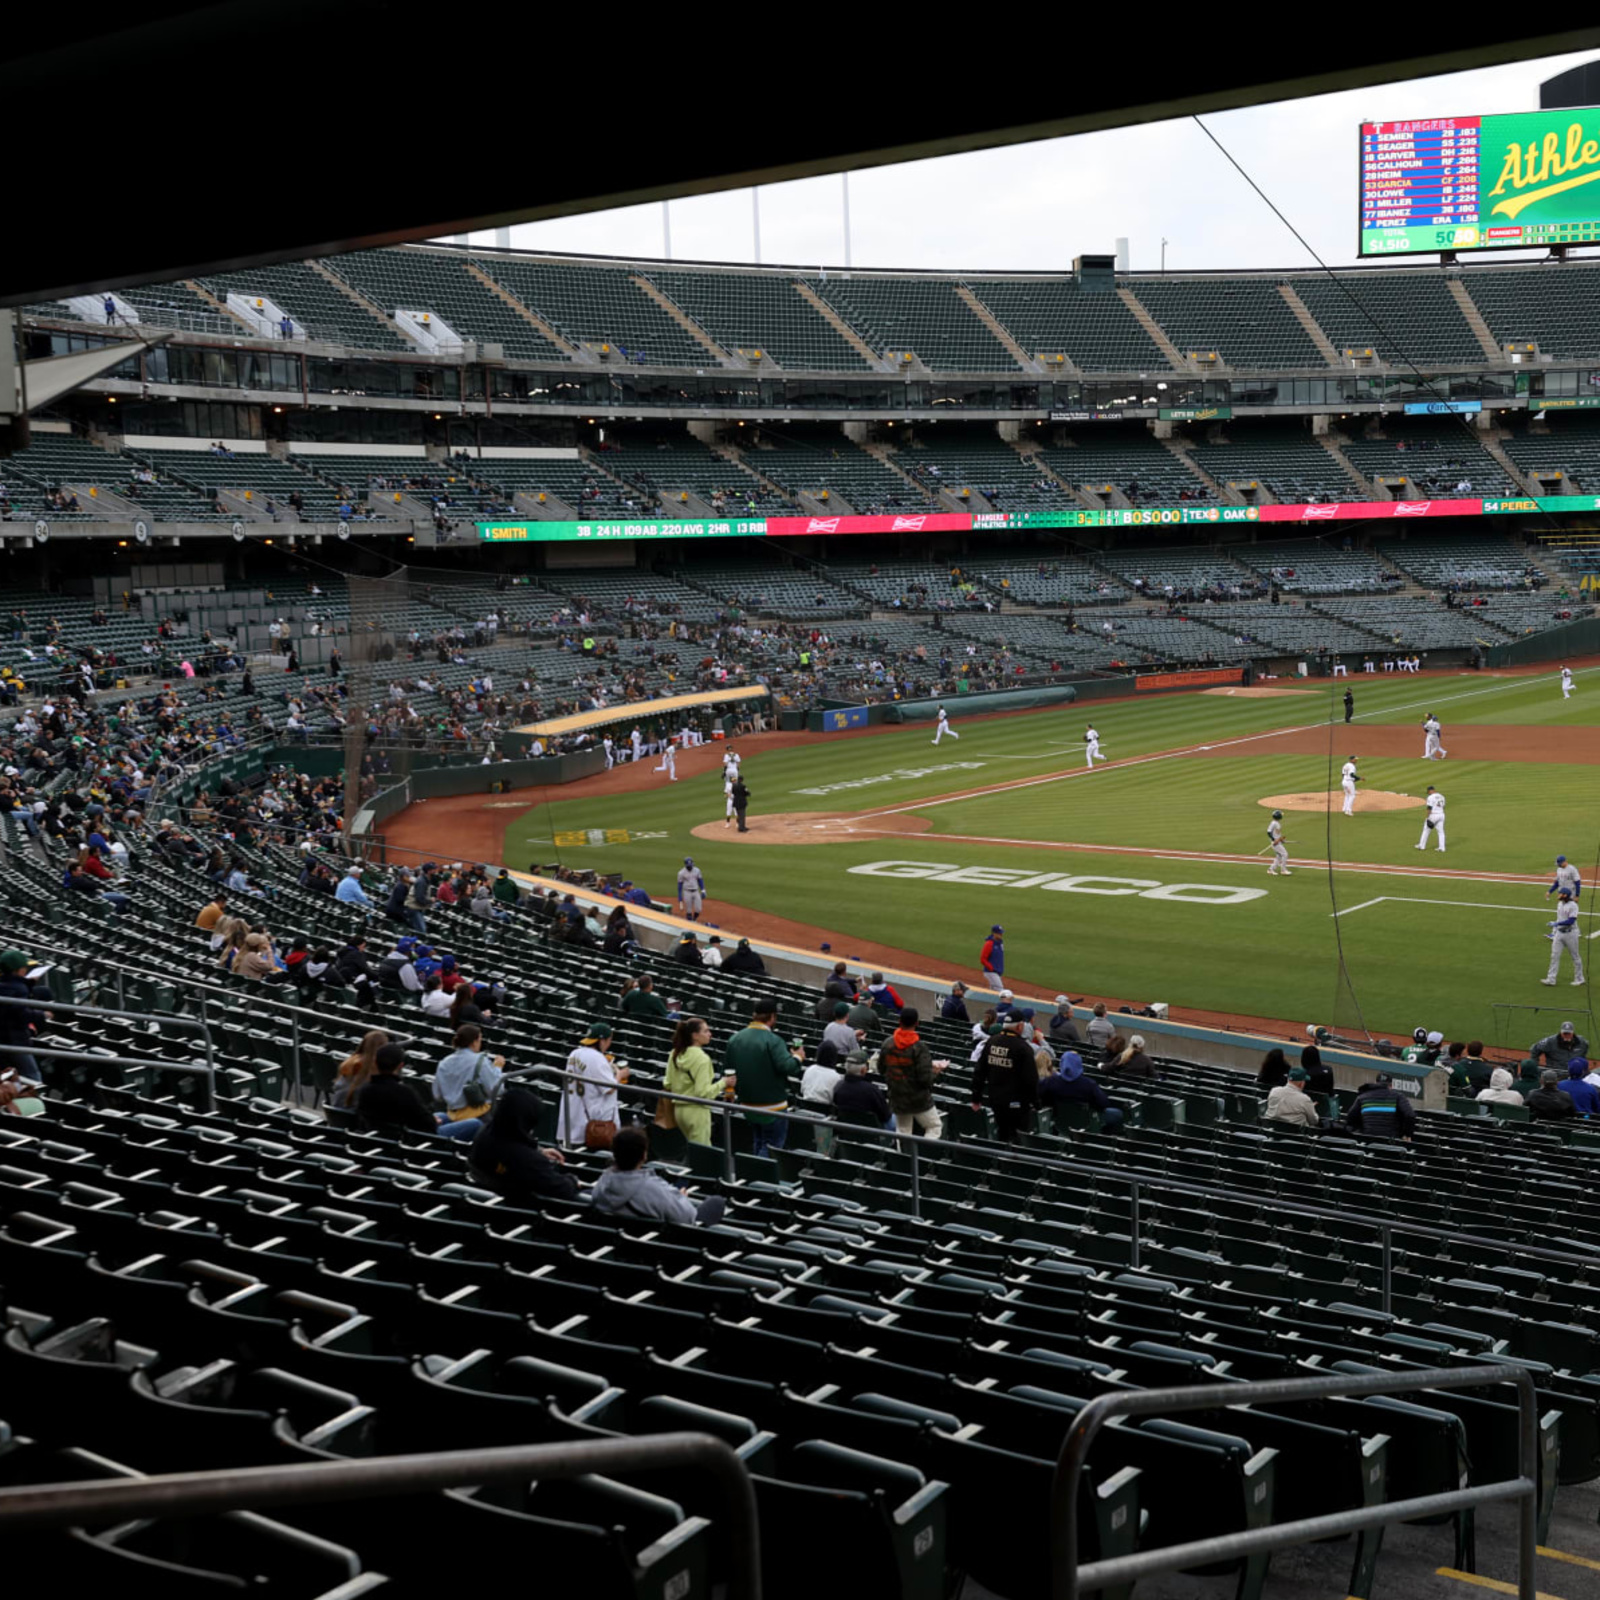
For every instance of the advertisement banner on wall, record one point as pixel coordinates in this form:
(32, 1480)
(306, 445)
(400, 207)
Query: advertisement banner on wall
(1358, 510)
(1195, 413)
(1189, 680)
(844, 717)
(909, 522)
(555, 531)
(1442, 408)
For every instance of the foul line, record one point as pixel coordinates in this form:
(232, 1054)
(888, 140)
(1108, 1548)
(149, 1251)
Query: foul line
(1479, 905)
(1185, 750)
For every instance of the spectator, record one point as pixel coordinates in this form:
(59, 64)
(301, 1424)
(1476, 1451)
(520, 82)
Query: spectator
(686, 953)
(506, 893)
(744, 959)
(1473, 1069)
(211, 912)
(762, 1068)
(627, 1188)
(643, 1001)
(1584, 1095)
(690, 1071)
(350, 890)
(1319, 1079)
(590, 1114)
(1500, 1090)
(1274, 1070)
(437, 1000)
(1380, 1111)
(818, 1083)
(464, 1083)
(17, 1023)
(1069, 1084)
(857, 1098)
(909, 1070)
(1006, 1073)
(351, 969)
(839, 1033)
(711, 954)
(1100, 1027)
(1289, 1102)
(355, 1071)
(1133, 1062)
(387, 1101)
(258, 960)
(1063, 1029)
(954, 1008)
(464, 1007)
(881, 996)
(398, 969)
(1559, 1048)
(506, 1154)
(1547, 1103)
(15, 1100)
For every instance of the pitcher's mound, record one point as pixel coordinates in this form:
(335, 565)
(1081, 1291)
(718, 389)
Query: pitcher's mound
(1257, 694)
(1322, 799)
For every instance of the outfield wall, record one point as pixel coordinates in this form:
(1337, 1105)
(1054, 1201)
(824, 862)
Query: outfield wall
(1566, 643)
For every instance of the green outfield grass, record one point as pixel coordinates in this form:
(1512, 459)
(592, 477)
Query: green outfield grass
(1419, 949)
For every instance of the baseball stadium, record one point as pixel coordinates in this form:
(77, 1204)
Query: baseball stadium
(935, 889)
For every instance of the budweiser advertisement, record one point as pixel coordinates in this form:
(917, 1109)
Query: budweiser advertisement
(928, 522)
(1352, 510)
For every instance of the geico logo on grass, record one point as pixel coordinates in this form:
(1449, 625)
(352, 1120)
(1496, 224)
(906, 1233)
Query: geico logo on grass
(1206, 894)
(891, 777)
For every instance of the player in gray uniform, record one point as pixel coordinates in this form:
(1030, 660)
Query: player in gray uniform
(1566, 878)
(691, 890)
(1280, 851)
(1564, 936)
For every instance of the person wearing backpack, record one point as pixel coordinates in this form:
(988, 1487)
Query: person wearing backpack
(908, 1070)
(1006, 1071)
(466, 1081)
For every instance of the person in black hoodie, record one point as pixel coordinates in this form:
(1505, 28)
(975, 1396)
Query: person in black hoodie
(352, 970)
(506, 1154)
(744, 959)
(1008, 1075)
(1319, 1079)
(858, 1097)
(1381, 1111)
(387, 1101)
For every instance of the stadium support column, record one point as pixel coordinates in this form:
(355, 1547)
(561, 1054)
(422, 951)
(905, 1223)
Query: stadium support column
(844, 178)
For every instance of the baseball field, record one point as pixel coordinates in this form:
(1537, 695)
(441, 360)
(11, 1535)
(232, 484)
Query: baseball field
(1146, 879)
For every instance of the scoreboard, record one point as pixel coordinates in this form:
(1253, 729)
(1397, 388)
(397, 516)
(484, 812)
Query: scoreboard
(1480, 183)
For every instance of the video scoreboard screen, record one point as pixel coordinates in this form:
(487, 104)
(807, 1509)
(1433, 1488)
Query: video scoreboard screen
(1480, 183)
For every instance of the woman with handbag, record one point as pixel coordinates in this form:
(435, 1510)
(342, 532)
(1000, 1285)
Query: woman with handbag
(689, 1071)
(466, 1081)
(589, 1112)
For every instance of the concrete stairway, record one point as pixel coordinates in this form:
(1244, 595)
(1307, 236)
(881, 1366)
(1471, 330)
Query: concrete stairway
(998, 329)
(1480, 328)
(1154, 329)
(355, 297)
(528, 315)
(686, 322)
(1302, 315)
(839, 325)
(1223, 495)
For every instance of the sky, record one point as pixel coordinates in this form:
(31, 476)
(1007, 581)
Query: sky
(1034, 207)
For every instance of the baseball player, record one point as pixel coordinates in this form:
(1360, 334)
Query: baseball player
(1280, 851)
(944, 728)
(727, 802)
(1564, 936)
(1431, 747)
(1566, 879)
(636, 739)
(1348, 779)
(730, 764)
(1566, 683)
(669, 761)
(1434, 822)
(691, 890)
(1091, 740)
(611, 752)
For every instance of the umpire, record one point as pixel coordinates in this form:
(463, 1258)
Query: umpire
(1349, 705)
(741, 802)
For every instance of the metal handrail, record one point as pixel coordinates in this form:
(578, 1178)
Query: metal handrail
(1068, 1580)
(189, 1069)
(123, 1015)
(261, 1488)
(1385, 1227)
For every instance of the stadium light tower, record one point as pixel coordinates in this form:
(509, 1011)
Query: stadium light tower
(1163, 255)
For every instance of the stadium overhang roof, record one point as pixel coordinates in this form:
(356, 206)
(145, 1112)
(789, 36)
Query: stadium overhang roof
(213, 136)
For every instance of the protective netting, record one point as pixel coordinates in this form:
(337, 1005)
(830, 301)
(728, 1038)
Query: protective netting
(380, 739)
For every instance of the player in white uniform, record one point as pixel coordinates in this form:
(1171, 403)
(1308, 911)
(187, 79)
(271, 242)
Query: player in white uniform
(1434, 822)
(730, 764)
(636, 739)
(727, 803)
(1348, 779)
(611, 754)
(944, 728)
(1566, 878)
(1091, 740)
(1566, 683)
(1564, 936)
(691, 889)
(1431, 747)
(669, 761)
(1280, 851)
